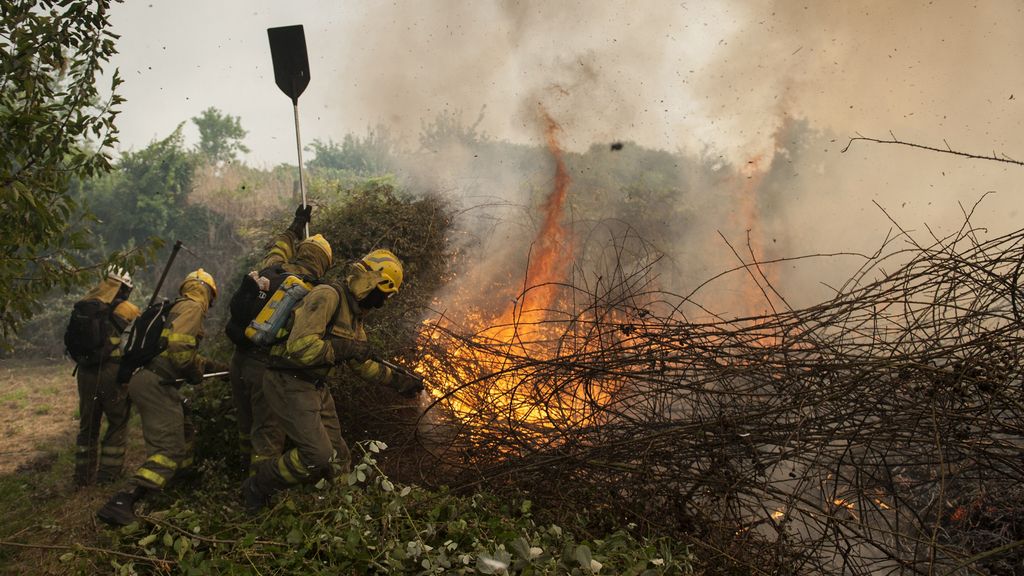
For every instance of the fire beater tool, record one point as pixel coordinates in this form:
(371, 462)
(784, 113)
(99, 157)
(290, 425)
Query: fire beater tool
(291, 74)
(205, 376)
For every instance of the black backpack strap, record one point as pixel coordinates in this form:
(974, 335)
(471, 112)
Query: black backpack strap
(116, 322)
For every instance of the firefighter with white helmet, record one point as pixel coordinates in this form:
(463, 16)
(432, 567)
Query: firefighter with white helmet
(92, 339)
(327, 331)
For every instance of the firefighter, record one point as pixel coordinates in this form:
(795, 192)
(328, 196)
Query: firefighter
(260, 437)
(154, 391)
(99, 393)
(327, 330)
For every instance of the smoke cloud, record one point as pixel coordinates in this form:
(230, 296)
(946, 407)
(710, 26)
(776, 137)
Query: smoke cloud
(767, 90)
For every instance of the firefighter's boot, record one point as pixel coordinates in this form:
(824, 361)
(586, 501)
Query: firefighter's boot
(254, 498)
(257, 490)
(120, 509)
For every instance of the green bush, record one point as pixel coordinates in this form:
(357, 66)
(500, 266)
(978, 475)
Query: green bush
(363, 523)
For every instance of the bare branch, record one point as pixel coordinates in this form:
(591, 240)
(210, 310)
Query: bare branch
(994, 157)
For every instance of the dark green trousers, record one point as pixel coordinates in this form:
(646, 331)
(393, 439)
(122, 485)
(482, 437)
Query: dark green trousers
(307, 415)
(260, 436)
(167, 433)
(99, 395)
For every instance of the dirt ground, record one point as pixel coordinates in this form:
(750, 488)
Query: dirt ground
(41, 513)
(38, 410)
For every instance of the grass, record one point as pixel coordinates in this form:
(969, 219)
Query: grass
(16, 396)
(38, 504)
(362, 526)
(38, 407)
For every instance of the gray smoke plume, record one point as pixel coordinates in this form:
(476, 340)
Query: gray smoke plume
(725, 82)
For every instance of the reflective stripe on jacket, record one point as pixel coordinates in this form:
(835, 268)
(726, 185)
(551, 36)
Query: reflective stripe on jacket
(320, 316)
(183, 331)
(282, 250)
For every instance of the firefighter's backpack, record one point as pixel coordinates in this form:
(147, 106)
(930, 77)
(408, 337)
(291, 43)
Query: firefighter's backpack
(143, 339)
(87, 336)
(259, 317)
(271, 324)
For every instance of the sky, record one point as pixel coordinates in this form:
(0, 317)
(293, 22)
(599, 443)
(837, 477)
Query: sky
(716, 78)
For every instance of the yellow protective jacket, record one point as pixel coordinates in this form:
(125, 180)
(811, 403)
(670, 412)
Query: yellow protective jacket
(123, 314)
(184, 331)
(328, 311)
(281, 251)
(301, 260)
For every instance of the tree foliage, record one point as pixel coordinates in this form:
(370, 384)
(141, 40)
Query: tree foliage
(448, 128)
(369, 155)
(53, 129)
(220, 136)
(147, 195)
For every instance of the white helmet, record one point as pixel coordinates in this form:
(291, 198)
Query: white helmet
(119, 274)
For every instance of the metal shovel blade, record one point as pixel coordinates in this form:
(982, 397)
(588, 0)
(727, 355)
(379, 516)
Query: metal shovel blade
(291, 64)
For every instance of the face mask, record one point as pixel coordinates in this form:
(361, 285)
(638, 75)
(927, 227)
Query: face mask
(374, 299)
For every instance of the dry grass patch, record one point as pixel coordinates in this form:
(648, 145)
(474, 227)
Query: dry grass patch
(41, 514)
(38, 409)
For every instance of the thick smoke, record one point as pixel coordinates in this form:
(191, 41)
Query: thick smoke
(770, 92)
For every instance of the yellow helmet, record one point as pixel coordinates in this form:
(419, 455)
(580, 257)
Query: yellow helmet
(321, 243)
(204, 277)
(388, 266)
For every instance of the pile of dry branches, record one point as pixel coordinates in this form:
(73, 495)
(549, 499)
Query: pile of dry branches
(878, 432)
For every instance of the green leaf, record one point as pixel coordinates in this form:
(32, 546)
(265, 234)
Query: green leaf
(294, 537)
(583, 556)
(521, 548)
(181, 546)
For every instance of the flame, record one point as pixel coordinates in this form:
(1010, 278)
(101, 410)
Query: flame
(959, 514)
(748, 218)
(481, 374)
(550, 252)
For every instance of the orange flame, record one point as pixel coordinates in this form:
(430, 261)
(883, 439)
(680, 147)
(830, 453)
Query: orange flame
(550, 249)
(523, 329)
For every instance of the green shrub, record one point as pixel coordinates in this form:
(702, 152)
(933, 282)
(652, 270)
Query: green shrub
(363, 523)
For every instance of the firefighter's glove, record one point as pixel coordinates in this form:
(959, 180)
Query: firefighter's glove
(194, 375)
(406, 385)
(349, 349)
(302, 216)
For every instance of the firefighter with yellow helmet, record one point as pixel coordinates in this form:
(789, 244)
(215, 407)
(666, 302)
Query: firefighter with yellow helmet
(327, 331)
(260, 437)
(158, 398)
